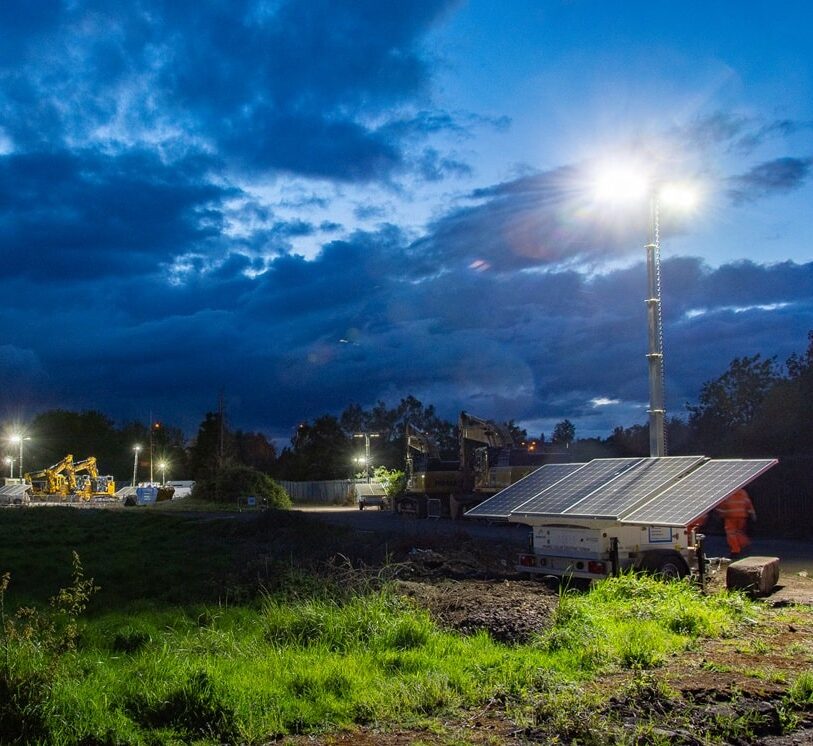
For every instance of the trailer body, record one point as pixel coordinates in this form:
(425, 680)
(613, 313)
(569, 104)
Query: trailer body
(586, 550)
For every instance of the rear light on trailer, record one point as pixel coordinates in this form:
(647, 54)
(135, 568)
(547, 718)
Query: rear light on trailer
(597, 568)
(527, 560)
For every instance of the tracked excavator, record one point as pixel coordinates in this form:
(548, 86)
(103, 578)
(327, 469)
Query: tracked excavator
(71, 478)
(89, 483)
(428, 476)
(490, 460)
(58, 480)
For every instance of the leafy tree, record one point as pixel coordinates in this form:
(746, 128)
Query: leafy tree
(800, 366)
(321, 450)
(783, 424)
(58, 432)
(564, 432)
(212, 448)
(518, 434)
(630, 441)
(254, 450)
(730, 402)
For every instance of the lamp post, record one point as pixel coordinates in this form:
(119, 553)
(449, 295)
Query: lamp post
(136, 449)
(366, 437)
(162, 465)
(10, 462)
(631, 183)
(17, 438)
(654, 356)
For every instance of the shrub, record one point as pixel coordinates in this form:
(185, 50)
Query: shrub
(233, 482)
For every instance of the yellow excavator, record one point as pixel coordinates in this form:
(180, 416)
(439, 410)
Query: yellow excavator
(58, 480)
(89, 483)
(69, 477)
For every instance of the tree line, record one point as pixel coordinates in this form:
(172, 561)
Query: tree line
(756, 407)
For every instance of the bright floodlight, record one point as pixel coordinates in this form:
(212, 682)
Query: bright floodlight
(680, 195)
(621, 182)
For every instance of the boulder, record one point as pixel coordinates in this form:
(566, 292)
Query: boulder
(755, 575)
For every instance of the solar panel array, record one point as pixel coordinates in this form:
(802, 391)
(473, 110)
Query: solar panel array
(634, 486)
(12, 491)
(558, 498)
(501, 505)
(699, 492)
(668, 491)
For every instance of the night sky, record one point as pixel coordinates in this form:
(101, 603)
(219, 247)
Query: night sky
(310, 203)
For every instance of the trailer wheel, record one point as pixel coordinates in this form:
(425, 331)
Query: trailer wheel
(666, 565)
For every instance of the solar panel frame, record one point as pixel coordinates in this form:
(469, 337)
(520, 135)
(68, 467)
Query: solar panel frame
(634, 487)
(698, 493)
(574, 488)
(501, 504)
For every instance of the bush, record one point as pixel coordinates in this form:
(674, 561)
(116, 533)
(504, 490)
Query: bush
(393, 480)
(233, 482)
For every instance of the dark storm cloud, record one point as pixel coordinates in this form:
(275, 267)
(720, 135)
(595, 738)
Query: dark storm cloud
(290, 86)
(772, 177)
(356, 324)
(85, 213)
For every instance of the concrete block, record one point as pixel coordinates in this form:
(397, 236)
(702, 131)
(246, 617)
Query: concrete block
(756, 575)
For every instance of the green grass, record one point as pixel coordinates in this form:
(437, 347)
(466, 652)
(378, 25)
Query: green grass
(162, 658)
(138, 556)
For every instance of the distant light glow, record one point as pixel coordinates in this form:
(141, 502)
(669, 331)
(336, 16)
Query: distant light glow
(603, 401)
(618, 181)
(759, 307)
(694, 313)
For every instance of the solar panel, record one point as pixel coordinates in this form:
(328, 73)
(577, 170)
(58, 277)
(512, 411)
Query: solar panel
(501, 505)
(559, 497)
(634, 486)
(698, 493)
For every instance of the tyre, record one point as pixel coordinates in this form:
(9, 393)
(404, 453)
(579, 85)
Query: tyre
(666, 565)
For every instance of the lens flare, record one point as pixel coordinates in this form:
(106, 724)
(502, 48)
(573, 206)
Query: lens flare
(621, 182)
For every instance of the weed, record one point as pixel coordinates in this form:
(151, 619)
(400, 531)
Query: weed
(130, 640)
(194, 709)
(800, 693)
(33, 643)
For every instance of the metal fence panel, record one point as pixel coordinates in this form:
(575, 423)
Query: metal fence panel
(328, 492)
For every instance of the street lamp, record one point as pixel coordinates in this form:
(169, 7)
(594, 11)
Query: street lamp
(629, 182)
(10, 463)
(366, 437)
(17, 438)
(136, 449)
(162, 465)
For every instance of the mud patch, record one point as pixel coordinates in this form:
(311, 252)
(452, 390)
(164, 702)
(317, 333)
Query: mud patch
(511, 611)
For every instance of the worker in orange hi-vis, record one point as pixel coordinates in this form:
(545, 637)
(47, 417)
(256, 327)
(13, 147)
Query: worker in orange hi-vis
(736, 509)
